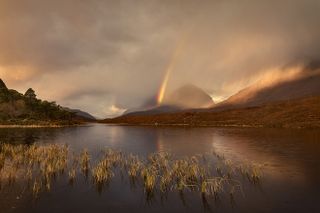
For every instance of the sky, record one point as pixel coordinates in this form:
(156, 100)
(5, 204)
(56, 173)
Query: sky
(107, 56)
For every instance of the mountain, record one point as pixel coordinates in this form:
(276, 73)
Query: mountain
(306, 84)
(81, 114)
(298, 113)
(27, 109)
(186, 97)
(286, 102)
(189, 97)
(149, 104)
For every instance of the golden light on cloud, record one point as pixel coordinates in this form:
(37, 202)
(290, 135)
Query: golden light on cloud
(16, 73)
(277, 75)
(217, 98)
(249, 87)
(114, 110)
(265, 78)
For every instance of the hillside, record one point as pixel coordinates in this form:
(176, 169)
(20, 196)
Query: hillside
(291, 102)
(81, 114)
(307, 84)
(298, 113)
(27, 109)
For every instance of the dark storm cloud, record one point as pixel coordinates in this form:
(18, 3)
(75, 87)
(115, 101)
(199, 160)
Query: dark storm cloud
(58, 35)
(100, 53)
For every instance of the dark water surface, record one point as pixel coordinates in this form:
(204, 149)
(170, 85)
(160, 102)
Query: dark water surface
(290, 159)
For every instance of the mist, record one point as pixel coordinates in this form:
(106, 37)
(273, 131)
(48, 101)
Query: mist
(107, 56)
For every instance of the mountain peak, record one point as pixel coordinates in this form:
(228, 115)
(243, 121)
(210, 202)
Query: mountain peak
(189, 96)
(2, 85)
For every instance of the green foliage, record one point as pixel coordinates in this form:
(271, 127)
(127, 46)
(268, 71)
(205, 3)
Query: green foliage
(30, 94)
(16, 108)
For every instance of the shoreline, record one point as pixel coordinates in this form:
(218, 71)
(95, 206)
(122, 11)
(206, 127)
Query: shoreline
(186, 125)
(212, 126)
(7, 126)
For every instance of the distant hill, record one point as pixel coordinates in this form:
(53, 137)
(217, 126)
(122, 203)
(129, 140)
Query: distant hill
(149, 104)
(26, 109)
(155, 110)
(186, 97)
(81, 114)
(298, 113)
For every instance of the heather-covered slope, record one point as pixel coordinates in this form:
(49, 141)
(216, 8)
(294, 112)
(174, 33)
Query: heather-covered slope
(307, 84)
(299, 113)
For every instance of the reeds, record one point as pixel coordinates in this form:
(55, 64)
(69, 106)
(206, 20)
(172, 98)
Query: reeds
(208, 174)
(252, 172)
(84, 162)
(102, 172)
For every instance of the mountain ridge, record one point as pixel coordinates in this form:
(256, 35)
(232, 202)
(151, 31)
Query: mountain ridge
(293, 103)
(298, 113)
(306, 84)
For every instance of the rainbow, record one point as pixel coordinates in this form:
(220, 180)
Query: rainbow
(164, 85)
(168, 71)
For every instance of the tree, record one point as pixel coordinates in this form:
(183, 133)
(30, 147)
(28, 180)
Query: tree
(30, 94)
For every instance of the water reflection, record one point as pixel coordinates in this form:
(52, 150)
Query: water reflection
(290, 157)
(27, 135)
(284, 151)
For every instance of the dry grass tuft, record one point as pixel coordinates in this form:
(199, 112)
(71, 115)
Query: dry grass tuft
(209, 174)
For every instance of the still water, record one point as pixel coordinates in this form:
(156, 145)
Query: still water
(290, 159)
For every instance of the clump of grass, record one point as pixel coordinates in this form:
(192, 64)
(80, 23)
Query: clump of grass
(2, 161)
(11, 175)
(165, 181)
(72, 176)
(29, 174)
(134, 166)
(102, 173)
(149, 176)
(212, 186)
(252, 172)
(36, 188)
(73, 170)
(43, 163)
(210, 174)
(84, 162)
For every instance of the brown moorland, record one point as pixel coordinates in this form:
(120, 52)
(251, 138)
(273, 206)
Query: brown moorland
(298, 113)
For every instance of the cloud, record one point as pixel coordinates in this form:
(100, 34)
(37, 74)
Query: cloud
(97, 54)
